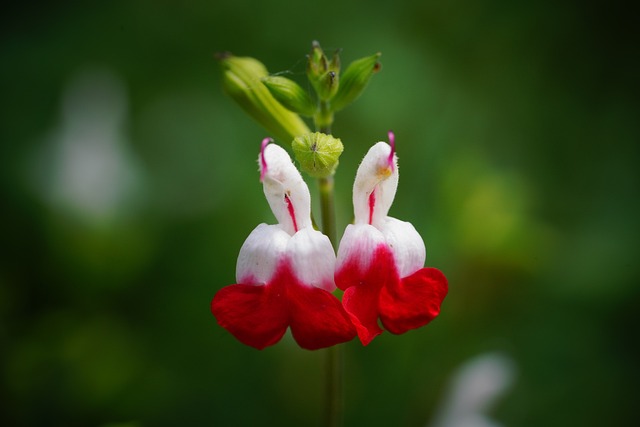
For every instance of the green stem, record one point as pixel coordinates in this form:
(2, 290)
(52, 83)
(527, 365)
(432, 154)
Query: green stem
(323, 121)
(335, 399)
(334, 363)
(323, 118)
(327, 207)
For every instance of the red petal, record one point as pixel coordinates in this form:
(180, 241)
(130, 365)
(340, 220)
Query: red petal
(363, 286)
(414, 301)
(256, 315)
(361, 302)
(317, 318)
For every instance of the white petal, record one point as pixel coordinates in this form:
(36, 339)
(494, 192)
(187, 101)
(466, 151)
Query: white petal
(281, 178)
(407, 245)
(375, 174)
(312, 258)
(359, 242)
(260, 253)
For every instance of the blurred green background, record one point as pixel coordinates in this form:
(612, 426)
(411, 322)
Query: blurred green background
(129, 182)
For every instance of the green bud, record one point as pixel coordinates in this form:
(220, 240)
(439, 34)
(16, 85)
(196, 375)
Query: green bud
(323, 74)
(317, 153)
(316, 62)
(241, 80)
(354, 81)
(327, 86)
(290, 94)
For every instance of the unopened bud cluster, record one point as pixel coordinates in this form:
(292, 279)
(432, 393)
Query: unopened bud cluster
(323, 74)
(339, 90)
(277, 102)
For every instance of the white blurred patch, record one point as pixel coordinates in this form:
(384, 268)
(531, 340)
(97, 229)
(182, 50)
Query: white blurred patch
(473, 390)
(86, 168)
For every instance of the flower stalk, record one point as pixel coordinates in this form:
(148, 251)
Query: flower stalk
(335, 381)
(334, 364)
(323, 118)
(334, 357)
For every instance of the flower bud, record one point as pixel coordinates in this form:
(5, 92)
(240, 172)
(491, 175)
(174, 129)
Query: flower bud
(327, 86)
(317, 153)
(242, 81)
(316, 62)
(290, 94)
(354, 80)
(323, 74)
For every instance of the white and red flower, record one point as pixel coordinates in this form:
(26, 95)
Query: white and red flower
(380, 259)
(285, 272)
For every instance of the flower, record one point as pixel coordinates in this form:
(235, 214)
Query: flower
(380, 258)
(285, 271)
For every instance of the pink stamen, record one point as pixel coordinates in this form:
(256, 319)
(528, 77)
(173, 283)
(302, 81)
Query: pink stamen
(392, 143)
(263, 162)
(292, 212)
(372, 205)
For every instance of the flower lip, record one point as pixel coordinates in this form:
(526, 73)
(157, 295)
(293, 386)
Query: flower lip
(263, 162)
